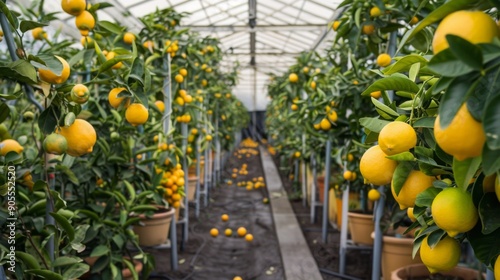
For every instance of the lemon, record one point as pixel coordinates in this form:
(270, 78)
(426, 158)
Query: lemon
(497, 188)
(85, 21)
(368, 29)
(313, 85)
(375, 12)
(80, 94)
(463, 138)
(497, 268)
(10, 145)
(336, 25)
(473, 26)
(325, 124)
(373, 195)
(397, 137)
(296, 154)
(442, 257)
(332, 115)
(410, 214)
(294, 107)
(453, 211)
(81, 137)
(224, 217)
(50, 77)
(237, 278)
(73, 7)
(489, 183)
(384, 60)
(228, 232)
(55, 144)
(136, 114)
(347, 175)
(376, 94)
(241, 231)
(375, 167)
(161, 105)
(214, 232)
(249, 237)
(128, 38)
(415, 183)
(293, 78)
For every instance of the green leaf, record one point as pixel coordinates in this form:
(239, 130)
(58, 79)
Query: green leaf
(373, 124)
(486, 246)
(68, 172)
(491, 121)
(130, 266)
(29, 25)
(454, 97)
(101, 264)
(99, 250)
(66, 260)
(30, 261)
(425, 198)
(109, 63)
(65, 224)
(404, 156)
(405, 63)
(19, 70)
(436, 236)
(427, 122)
(12, 20)
(467, 52)
(489, 207)
(392, 83)
(448, 65)
(400, 174)
(465, 170)
(76, 270)
(45, 274)
(137, 71)
(383, 109)
(491, 160)
(111, 27)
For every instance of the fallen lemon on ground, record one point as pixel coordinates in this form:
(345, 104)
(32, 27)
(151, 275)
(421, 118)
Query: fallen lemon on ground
(214, 232)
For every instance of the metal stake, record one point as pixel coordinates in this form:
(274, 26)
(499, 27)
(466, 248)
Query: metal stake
(326, 190)
(377, 242)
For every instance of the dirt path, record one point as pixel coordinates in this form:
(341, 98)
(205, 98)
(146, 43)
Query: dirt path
(223, 257)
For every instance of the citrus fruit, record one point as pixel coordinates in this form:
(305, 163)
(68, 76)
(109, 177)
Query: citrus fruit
(136, 114)
(80, 94)
(161, 105)
(294, 107)
(237, 278)
(81, 137)
(497, 188)
(111, 55)
(347, 175)
(87, 41)
(73, 7)
(409, 212)
(179, 78)
(463, 138)
(397, 137)
(10, 145)
(336, 25)
(376, 94)
(214, 232)
(473, 26)
(249, 237)
(183, 72)
(224, 217)
(414, 20)
(497, 268)
(85, 21)
(332, 115)
(415, 183)
(325, 124)
(296, 154)
(317, 126)
(55, 144)
(375, 12)
(241, 231)
(489, 183)
(350, 157)
(293, 78)
(305, 69)
(50, 77)
(453, 211)
(375, 167)
(368, 29)
(114, 100)
(442, 257)
(383, 60)
(38, 33)
(208, 137)
(128, 38)
(373, 195)
(228, 232)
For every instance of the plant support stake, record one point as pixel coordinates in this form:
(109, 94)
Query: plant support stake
(326, 189)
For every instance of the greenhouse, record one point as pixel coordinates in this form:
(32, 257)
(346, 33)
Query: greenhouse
(249, 139)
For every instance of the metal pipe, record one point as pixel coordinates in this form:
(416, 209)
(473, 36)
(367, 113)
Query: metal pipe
(326, 190)
(377, 243)
(184, 131)
(313, 189)
(304, 173)
(167, 95)
(198, 171)
(489, 275)
(343, 229)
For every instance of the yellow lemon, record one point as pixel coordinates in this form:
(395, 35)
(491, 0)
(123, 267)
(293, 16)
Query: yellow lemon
(409, 212)
(332, 116)
(373, 195)
(114, 100)
(375, 167)
(453, 211)
(85, 21)
(375, 12)
(325, 124)
(249, 237)
(442, 257)
(397, 137)
(228, 232)
(128, 38)
(50, 77)
(497, 268)
(473, 26)
(136, 114)
(293, 78)
(161, 105)
(368, 29)
(384, 60)
(81, 137)
(9, 145)
(214, 232)
(376, 94)
(294, 107)
(415, 183)
(241, 231)
(80, 94)
(463, 138)
(73, 7)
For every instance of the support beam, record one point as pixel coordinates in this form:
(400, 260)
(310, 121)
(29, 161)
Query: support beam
(244, 28)
(252, 17)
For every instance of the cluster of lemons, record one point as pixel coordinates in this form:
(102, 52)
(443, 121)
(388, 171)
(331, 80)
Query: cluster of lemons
(84, 20)
(329, 119)
(243, 171)
(255, 183)
(173, 182)
(240, 232)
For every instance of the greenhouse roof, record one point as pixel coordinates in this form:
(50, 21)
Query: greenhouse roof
(264, 36)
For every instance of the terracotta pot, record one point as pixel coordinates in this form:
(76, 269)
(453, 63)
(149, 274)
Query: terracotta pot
(154, 231)
(361, 226)
(419, 270)
(396, 253)
(320, 182)
(338, 200)
(192, 181)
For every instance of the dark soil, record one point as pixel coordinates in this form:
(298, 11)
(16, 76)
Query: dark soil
(206, 257)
